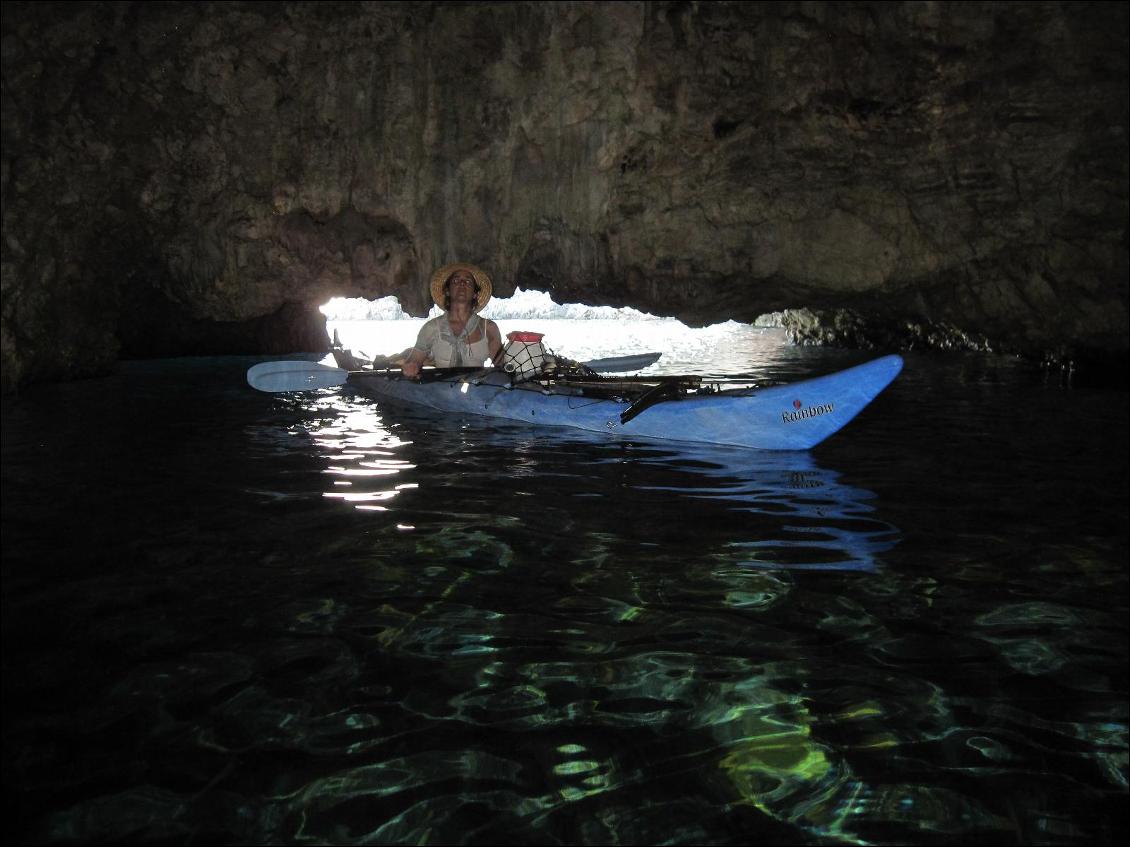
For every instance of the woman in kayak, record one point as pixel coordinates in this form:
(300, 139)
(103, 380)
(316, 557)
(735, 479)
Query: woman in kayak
(458, 337)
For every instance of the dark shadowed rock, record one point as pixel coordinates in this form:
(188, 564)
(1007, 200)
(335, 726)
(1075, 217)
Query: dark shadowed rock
(950, 174)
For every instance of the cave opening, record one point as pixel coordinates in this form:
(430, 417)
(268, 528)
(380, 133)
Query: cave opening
(574, 330)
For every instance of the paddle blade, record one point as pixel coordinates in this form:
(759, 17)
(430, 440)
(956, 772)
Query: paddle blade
(623, 364)
(294, 376)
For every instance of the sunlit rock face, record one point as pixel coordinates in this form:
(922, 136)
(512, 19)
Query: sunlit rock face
(187, 178)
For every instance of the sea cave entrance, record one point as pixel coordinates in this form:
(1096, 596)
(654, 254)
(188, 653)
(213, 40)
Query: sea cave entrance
(574, 330)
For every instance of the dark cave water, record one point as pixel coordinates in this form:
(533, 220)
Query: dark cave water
(239, 617)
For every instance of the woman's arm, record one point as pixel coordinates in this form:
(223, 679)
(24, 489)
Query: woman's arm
(419, 354)
(411, 366)
(494, 342)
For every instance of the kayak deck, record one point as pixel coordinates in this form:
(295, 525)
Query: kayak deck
(796, 416)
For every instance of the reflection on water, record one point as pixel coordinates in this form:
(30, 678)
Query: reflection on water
(273, 619)
(786, 511)
(625, 664)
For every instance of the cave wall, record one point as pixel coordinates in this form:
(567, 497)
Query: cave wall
(199, 177)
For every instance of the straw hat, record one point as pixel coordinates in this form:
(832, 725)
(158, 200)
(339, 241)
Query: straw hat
(440, 277)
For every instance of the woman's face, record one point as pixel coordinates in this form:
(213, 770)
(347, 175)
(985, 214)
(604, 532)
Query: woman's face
(461, 287)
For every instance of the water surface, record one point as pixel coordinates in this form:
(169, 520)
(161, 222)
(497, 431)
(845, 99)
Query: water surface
(287, 618)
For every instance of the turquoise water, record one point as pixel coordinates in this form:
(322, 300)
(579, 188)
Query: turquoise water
(239, 617)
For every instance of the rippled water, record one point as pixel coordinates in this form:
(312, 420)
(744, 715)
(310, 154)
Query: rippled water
(232, 616)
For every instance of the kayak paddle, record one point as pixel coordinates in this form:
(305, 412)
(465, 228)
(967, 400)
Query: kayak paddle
(294, 376)
(622, 364)
(307, 376)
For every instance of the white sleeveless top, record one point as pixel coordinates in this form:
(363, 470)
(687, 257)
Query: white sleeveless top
(449, 350)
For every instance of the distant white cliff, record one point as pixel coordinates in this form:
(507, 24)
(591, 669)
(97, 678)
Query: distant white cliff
(523, 305)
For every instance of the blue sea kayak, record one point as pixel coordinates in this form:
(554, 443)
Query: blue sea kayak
(796, 416)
